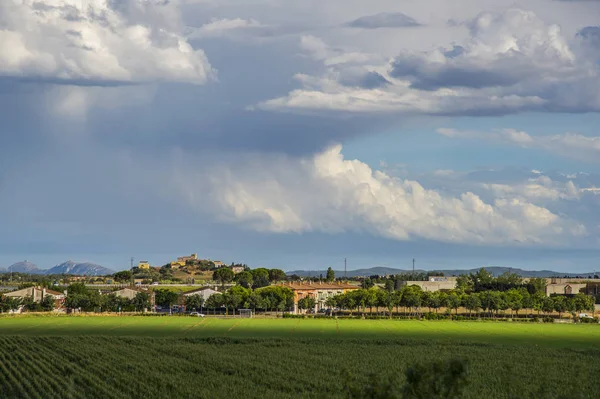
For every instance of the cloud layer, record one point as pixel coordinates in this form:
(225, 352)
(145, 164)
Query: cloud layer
(327, 193)
(567, 144)
(97, 42)
(511, 61)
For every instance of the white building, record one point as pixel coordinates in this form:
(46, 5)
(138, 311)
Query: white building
(204, 292)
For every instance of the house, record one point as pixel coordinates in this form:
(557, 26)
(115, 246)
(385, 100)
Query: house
(130, 293)
(565, 288)
(37, 293)
(218, 264)
(320, 291)
(434, 283)
(237, 269)
(182, 260)
(204, 292)
(143, 264)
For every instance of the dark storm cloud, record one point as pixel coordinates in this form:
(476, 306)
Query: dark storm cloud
(590, 35)
(384, 20)
(427, 76)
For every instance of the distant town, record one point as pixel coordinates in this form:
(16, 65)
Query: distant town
(190, 284)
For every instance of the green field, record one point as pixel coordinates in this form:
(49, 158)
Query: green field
(114, 357)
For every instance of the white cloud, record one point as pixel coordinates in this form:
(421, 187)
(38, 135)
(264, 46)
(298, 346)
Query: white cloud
(327, 193)
(538, 189)
(229, 27)
(510, 62)
(568, 144)
(97, 42)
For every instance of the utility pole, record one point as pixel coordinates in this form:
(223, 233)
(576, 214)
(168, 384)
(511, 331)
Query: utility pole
(413, 267)
(131, 262)
(345, 269)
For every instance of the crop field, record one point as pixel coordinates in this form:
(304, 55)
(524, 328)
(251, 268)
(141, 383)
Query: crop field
(185, 357)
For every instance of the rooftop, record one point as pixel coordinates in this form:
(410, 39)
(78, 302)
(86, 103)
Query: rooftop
(319, 286)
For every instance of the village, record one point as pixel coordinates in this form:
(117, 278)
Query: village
(190, 284)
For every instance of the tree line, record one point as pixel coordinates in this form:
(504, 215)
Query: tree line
(268, 298)
(486, 303)
(80, 297)
(255, 278)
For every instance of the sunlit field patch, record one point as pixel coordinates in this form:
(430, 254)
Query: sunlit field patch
(114, 357)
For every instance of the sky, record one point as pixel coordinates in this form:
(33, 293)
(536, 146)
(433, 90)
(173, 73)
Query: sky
(294, 134)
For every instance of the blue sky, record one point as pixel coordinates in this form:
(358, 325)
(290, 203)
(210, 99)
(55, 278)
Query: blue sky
(294, 134)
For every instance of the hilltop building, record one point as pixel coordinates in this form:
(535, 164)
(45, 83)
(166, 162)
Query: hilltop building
(144, 264)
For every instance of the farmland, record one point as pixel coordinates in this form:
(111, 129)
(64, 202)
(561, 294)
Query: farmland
(116, 357)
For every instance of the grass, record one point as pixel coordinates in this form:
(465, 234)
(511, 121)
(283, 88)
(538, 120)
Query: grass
(113, 357)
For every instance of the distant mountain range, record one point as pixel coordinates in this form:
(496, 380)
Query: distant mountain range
(495, 270)
(69, 267)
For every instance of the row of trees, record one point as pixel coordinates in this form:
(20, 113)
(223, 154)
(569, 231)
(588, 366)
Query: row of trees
(266, 298)
(87, 300)
(414, 300)
(8, 304)
(255, 278)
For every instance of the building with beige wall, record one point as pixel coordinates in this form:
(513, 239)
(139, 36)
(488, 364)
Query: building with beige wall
(565, 288)
(37, 293)
(320, 291)
(435, 283)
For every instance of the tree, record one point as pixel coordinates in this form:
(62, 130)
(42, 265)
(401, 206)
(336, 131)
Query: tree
(255, 301)
(366, 283)
(330, 274)
(164, 297)
(306, 303)
(141, 301)
(536, 285)
(8, 303)
(472, 302)
(332, 301)
(454, 302)
(223, 275)
(260, 277)
(244, 279)
(30, 305)
(231, 301)
(123, 276)
(560, 305)
(276, 275)
(548, 305)
(273, 296)
(411, 297)
(48, 303)
(371, 299)
(514, 300)
(464, 283)
(77, 289)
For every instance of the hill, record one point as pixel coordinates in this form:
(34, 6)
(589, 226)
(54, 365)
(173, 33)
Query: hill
(25, 267)
(495, 270)
(83, 269)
